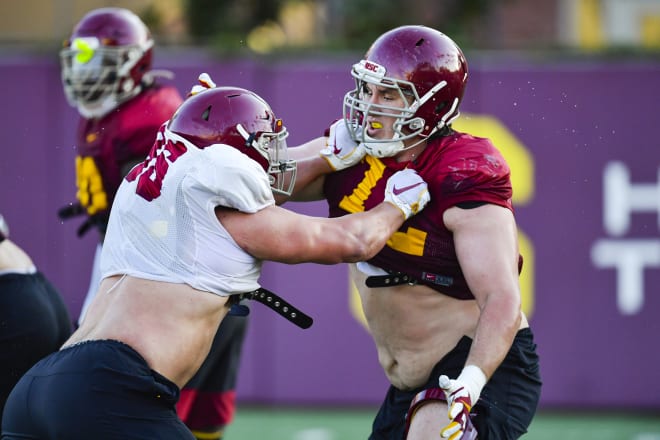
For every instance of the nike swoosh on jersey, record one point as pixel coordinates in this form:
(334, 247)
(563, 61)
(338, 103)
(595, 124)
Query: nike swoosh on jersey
(398, 191)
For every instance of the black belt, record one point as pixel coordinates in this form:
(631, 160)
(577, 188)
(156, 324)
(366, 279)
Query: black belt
(393, 279)
(398, 278)
(273, 302)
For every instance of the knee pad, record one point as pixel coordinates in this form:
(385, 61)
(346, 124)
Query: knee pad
(436, 394)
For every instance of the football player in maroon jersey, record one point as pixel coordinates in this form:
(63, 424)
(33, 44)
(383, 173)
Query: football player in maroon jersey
(107, 76)
(442, 300)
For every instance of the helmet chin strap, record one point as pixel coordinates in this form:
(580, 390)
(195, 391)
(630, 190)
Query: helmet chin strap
(380, 149)
(388, 148)
(108, 104)
(99, 110)
(250, 140)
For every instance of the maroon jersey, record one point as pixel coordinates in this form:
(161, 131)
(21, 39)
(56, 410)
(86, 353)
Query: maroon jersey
(457, 168)
(109, 146)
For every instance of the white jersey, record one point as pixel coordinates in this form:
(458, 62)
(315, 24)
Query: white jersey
(163, 226)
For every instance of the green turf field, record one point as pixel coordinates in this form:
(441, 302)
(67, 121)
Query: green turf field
(265, 423)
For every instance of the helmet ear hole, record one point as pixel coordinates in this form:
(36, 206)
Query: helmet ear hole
(416, 124)
(440, 106)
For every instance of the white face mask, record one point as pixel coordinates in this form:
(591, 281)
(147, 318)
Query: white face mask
(97, 78)
(272, 146)
(406, 124)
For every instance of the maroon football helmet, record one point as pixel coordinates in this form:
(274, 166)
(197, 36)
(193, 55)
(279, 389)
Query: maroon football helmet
(429, 71)
(105, 60)
(243, 120)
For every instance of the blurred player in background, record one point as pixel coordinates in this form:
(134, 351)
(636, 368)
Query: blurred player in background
(187, 235)
(107, 76)
(442, 299)
(34, 320)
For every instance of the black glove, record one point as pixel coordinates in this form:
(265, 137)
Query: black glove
(99, 221)
(71, 210)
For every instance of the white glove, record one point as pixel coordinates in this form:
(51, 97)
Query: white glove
(205, 83)
(407, 191)
(342, 151)
(461, 394)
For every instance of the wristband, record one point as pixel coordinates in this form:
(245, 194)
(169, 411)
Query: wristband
(474, 379)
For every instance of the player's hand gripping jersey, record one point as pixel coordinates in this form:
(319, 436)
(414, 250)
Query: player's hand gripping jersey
(458, 168)
(163, 225)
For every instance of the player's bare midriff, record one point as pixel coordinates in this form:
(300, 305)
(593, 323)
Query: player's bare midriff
(171, 325)
(414, 327)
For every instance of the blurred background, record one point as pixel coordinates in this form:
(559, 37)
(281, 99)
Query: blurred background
(569, 90)
(267, 26)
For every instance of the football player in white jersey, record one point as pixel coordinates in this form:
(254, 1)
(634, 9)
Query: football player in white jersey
(188, 231)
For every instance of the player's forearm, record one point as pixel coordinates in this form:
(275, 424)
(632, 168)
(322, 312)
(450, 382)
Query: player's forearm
(497, 327)
(368, 232)
(309, 179)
